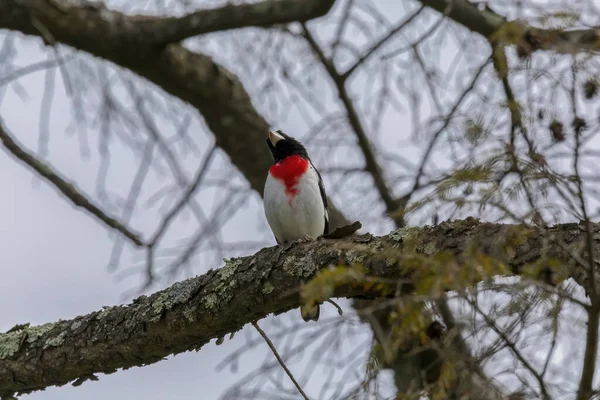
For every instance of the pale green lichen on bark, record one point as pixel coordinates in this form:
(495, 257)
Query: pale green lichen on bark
(224, 290)
(302, 266)
(210, 300)
(405, 233)
(429, 248)
(159, 305)
(10, 343)
(55, 340)
(230, 267)
(190, 314)
(354, 257)
(412, 237)
(267, 288)
(35, 332)
(105, 311)
(289, 265)
(178, 293)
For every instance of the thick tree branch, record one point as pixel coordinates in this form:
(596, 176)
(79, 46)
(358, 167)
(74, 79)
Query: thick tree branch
(192, 312)
(150, 30)
(195, 78)
(263, 14)
(487, 23)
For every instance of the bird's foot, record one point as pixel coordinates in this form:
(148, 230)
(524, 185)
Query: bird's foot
(288, 245)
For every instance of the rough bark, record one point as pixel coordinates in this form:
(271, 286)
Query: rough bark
(192, 312)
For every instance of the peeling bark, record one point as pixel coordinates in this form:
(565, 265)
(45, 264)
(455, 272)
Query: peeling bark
(190, 313)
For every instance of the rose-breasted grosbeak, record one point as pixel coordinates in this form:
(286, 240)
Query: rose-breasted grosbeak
(295, 201)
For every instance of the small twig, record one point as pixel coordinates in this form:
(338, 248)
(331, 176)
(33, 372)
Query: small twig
(185, 197)
(346, 74)
(371, 163)
(438, 133)
(513, 348)
(132, 197)
(47, 37)
(340, 28)
(285, 368)
(227, 209)
(12, 76)
(585, 388)
(149, 267)
(66, 188)
(336, 305)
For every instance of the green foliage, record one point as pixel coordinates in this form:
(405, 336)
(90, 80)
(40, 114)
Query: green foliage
(465, 177)
(475, 129)
(507, 33)
(322, 286)
(446, 381)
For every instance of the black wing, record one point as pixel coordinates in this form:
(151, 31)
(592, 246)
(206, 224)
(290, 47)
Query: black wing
(324, 198)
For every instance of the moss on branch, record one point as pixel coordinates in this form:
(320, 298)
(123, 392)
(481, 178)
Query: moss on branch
(190, 313)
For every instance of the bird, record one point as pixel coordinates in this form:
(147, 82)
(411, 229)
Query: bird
(295, 201)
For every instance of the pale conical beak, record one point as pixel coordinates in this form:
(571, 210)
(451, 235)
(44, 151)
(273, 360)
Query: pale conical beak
(275, 137)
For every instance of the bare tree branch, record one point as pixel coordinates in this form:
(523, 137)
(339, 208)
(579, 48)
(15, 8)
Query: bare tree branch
(263, 14)
(487, 23)
(151, 31)
(192, 312)
(280, 360)
(66, 188)
(346, 74)
(371, 163)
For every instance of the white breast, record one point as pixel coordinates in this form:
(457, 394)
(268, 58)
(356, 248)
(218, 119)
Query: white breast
(293, 218)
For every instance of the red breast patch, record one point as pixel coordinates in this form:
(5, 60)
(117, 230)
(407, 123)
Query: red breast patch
(289, 171)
